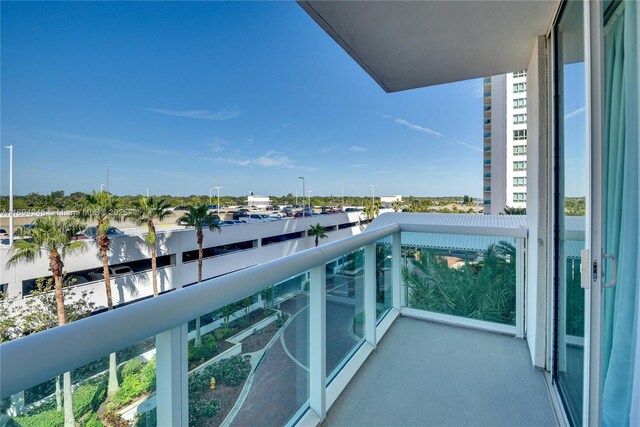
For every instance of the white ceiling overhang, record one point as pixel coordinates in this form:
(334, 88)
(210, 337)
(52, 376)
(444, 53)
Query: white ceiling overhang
(410, 44)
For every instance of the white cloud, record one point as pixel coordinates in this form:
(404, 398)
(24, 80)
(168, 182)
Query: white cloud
(435, 133)
(358, 149)
(224, 114)
(271, 159)
(418, 128)
(218, 145)
(574, 113)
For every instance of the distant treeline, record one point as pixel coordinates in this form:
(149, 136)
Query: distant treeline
(58, 200)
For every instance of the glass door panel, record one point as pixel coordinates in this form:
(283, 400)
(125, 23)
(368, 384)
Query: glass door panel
(570, 202)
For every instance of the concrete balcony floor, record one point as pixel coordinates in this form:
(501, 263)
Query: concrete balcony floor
(425, 373)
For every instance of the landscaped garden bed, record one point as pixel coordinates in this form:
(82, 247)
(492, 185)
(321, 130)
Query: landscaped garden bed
(215, 342)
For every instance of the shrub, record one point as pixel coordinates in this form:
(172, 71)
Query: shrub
(207, 350)
(92, 421)
(132, 366)
(112, 419)
(88, 397)
(232, 371)
(136, 384)
(50, 418)
(223, 333)
(199, 408)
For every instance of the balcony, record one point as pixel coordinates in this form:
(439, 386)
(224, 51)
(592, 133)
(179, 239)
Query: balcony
(284, 339)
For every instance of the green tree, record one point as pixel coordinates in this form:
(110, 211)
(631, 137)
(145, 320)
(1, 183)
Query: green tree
(396, 205)
(104, 207)
(317, 231)
(53, 236)
(199, 217)
(146, 211)
(371, 208)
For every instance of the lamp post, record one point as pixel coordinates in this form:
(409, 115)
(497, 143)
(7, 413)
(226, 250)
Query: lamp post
(218, 188)
(309, 200)
(10, 148)
(342, 197)
(147, 193)
(373, 194)
(303, 192)
(101, 188)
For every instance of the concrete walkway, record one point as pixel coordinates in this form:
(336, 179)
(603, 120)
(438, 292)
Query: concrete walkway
(428, 374)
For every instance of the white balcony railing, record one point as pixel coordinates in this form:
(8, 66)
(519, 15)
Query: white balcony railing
(359, 278)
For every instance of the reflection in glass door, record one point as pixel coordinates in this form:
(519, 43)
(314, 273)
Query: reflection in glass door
(570, 203)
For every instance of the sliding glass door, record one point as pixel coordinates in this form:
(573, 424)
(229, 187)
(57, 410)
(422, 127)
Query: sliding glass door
(570, 184)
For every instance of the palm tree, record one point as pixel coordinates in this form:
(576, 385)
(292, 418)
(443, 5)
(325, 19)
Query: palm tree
(317, 231)
(53, 236)
(103, 207)
(396, 205)
(371, 208)
(199, 217)
(147, 210)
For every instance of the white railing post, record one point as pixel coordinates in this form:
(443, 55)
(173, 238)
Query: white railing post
(370, 290)
(171, 377)
(317, 341)
(520, 281)
(396, 271)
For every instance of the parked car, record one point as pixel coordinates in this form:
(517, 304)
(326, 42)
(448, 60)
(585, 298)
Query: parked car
(97, 274)
(91, 233)
(353, 210)
(5, 240)
(4, 232)
(260, 218)
(230, 222)
(181, 208)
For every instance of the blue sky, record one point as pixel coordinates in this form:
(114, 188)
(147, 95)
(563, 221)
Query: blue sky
(181, 97)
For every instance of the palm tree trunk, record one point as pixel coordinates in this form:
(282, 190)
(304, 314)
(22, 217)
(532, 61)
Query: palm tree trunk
(103, 242)
(153, 271)
(316, 240)
(199, 237)
(58, 394)
(56, 265)
(69, 419)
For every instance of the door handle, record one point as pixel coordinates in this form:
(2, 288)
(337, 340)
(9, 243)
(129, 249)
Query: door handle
(614, 273)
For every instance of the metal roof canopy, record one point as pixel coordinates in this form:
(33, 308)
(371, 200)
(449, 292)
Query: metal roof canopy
(447, 223)
(406, 45)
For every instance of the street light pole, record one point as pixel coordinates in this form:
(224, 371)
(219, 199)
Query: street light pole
(303, 193)
(10, 148)
(373, 194)
(309, 200)
(101, 188)
(218, 188)
(147, 193)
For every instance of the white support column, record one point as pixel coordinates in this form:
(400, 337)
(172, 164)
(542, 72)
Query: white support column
(171, 377)
(520, 281)
(370, 288)
(396, 268)
(317, 341)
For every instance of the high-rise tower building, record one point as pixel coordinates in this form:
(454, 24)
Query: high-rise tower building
(505, 142)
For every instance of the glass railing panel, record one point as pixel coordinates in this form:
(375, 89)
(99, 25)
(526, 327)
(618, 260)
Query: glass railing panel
(249, 352)
(132, 401)
(384, 288)
(345, 308)
(461, 275)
